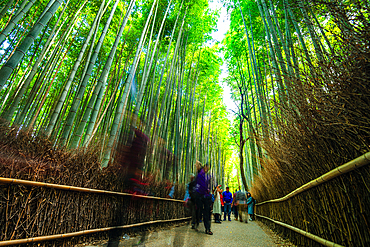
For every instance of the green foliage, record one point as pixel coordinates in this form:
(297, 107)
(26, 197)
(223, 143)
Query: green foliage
(192, 65)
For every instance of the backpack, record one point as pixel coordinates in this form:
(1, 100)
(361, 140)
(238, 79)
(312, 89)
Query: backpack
(192, 189)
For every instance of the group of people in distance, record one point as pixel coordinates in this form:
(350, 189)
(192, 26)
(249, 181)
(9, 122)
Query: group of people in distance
(243, 205)
(202, 201)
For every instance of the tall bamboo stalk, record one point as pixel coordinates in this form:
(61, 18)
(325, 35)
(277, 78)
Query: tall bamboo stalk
(13, 61)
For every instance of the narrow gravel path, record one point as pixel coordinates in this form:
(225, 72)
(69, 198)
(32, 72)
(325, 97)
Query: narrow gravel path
(229, 233)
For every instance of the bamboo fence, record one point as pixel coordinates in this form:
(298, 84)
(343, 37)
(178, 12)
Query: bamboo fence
(286, 209)
(304, 233)
(75, 234)
(343, 169)
(52, 212)
(46, 191)
(33, 211)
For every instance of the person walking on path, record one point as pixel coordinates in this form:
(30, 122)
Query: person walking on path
(234, 206)
(241, 202)
(217, 204)
(228, 199)
(189, 199)
(250, 203)
(203, 198)
(222, 202)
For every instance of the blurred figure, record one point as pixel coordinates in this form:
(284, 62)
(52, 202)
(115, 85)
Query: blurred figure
(129, 163)
(250, 203)
(234, 205)
(222, 202)
(189, 199)
(217, 204)
(241, 204)
(135, 159)
(172, 192)
(203, 198)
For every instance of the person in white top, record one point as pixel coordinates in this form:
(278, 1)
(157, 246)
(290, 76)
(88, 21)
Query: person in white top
(217, 204)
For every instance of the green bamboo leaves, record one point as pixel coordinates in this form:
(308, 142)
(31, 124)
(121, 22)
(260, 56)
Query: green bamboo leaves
(282, 41)
(89, 73)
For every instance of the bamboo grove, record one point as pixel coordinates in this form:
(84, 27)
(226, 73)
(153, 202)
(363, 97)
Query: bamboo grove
(85, 73)
(300, 73)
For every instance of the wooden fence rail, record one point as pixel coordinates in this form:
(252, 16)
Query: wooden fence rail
(343, 169)
(157, 200)
(361, 161)
(322, 241)
(75, 234)
(79, 189)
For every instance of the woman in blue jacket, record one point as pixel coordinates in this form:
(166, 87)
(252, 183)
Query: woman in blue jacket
(250, 203)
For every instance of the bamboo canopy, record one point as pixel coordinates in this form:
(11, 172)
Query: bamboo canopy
(350, 166)
(133, 87)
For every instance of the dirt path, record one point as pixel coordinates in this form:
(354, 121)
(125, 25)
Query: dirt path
(229, 233)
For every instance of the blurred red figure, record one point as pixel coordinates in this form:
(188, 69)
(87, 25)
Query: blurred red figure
(135, 159)
(131, 162)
